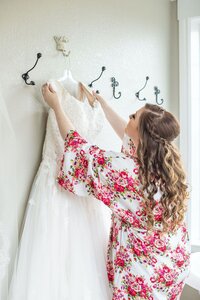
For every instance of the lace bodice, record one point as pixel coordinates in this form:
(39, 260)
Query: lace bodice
(87, 120)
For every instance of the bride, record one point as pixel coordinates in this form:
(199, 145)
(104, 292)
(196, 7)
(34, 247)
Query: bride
(62, 251)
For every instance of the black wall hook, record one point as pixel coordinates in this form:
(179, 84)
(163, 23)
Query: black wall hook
(114, 84)
(157, 92)
(25, 76)
(102, 70)
(138, 93)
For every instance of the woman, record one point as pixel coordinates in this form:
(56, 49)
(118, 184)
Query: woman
(144, 186)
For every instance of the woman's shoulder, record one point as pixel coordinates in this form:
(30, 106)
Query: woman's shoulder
(128, 146)
(123, 162)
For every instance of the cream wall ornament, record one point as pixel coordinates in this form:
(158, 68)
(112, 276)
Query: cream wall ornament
(61, 45)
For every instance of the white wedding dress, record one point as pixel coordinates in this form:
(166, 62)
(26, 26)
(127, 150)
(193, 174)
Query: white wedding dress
(62, 251)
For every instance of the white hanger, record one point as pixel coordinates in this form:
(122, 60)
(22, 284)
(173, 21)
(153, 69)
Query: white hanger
(69, 83)
(67, 76)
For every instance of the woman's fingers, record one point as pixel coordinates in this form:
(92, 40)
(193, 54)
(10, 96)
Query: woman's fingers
(95, 95)
(51, 88)
(45, 87)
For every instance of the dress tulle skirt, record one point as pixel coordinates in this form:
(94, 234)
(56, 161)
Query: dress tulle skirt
(62, 250)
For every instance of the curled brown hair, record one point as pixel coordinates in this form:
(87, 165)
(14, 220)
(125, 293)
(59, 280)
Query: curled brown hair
(160, 164)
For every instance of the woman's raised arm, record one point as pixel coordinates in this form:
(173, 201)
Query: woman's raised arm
(117, 123)
(64, 123)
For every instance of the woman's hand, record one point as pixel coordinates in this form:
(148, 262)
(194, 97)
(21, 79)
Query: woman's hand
(117, 123)
(50, 96)
(98, 98)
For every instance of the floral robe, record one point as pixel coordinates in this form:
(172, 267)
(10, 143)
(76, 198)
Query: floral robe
(140, 265)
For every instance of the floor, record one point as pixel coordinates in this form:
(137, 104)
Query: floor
(190, 294)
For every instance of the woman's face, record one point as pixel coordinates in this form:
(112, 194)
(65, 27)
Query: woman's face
(132, 127)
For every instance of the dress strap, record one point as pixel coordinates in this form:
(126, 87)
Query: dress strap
(84, 91)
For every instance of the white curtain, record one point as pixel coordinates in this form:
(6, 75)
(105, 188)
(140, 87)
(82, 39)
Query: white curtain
(8, 211)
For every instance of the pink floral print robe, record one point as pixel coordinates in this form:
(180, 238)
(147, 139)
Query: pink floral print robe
(140, 265)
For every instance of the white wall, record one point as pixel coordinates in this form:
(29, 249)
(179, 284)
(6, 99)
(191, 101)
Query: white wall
(132, 38)
(188, 8)
(174, 61)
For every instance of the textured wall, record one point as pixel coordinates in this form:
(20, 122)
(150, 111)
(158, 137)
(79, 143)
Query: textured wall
(132, 38)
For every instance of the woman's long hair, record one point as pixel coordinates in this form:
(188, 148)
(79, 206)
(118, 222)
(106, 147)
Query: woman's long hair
(160, 162)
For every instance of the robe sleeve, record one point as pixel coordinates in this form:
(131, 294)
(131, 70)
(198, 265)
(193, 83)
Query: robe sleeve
(109, 176)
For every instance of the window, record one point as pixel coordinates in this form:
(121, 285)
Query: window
(189, 64)
(195, 128)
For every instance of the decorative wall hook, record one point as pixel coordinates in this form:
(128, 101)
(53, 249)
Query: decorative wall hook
(102, 70)
(157, 92)
(138, 93)
(61, 45)
(114, 84)
(25, 76)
